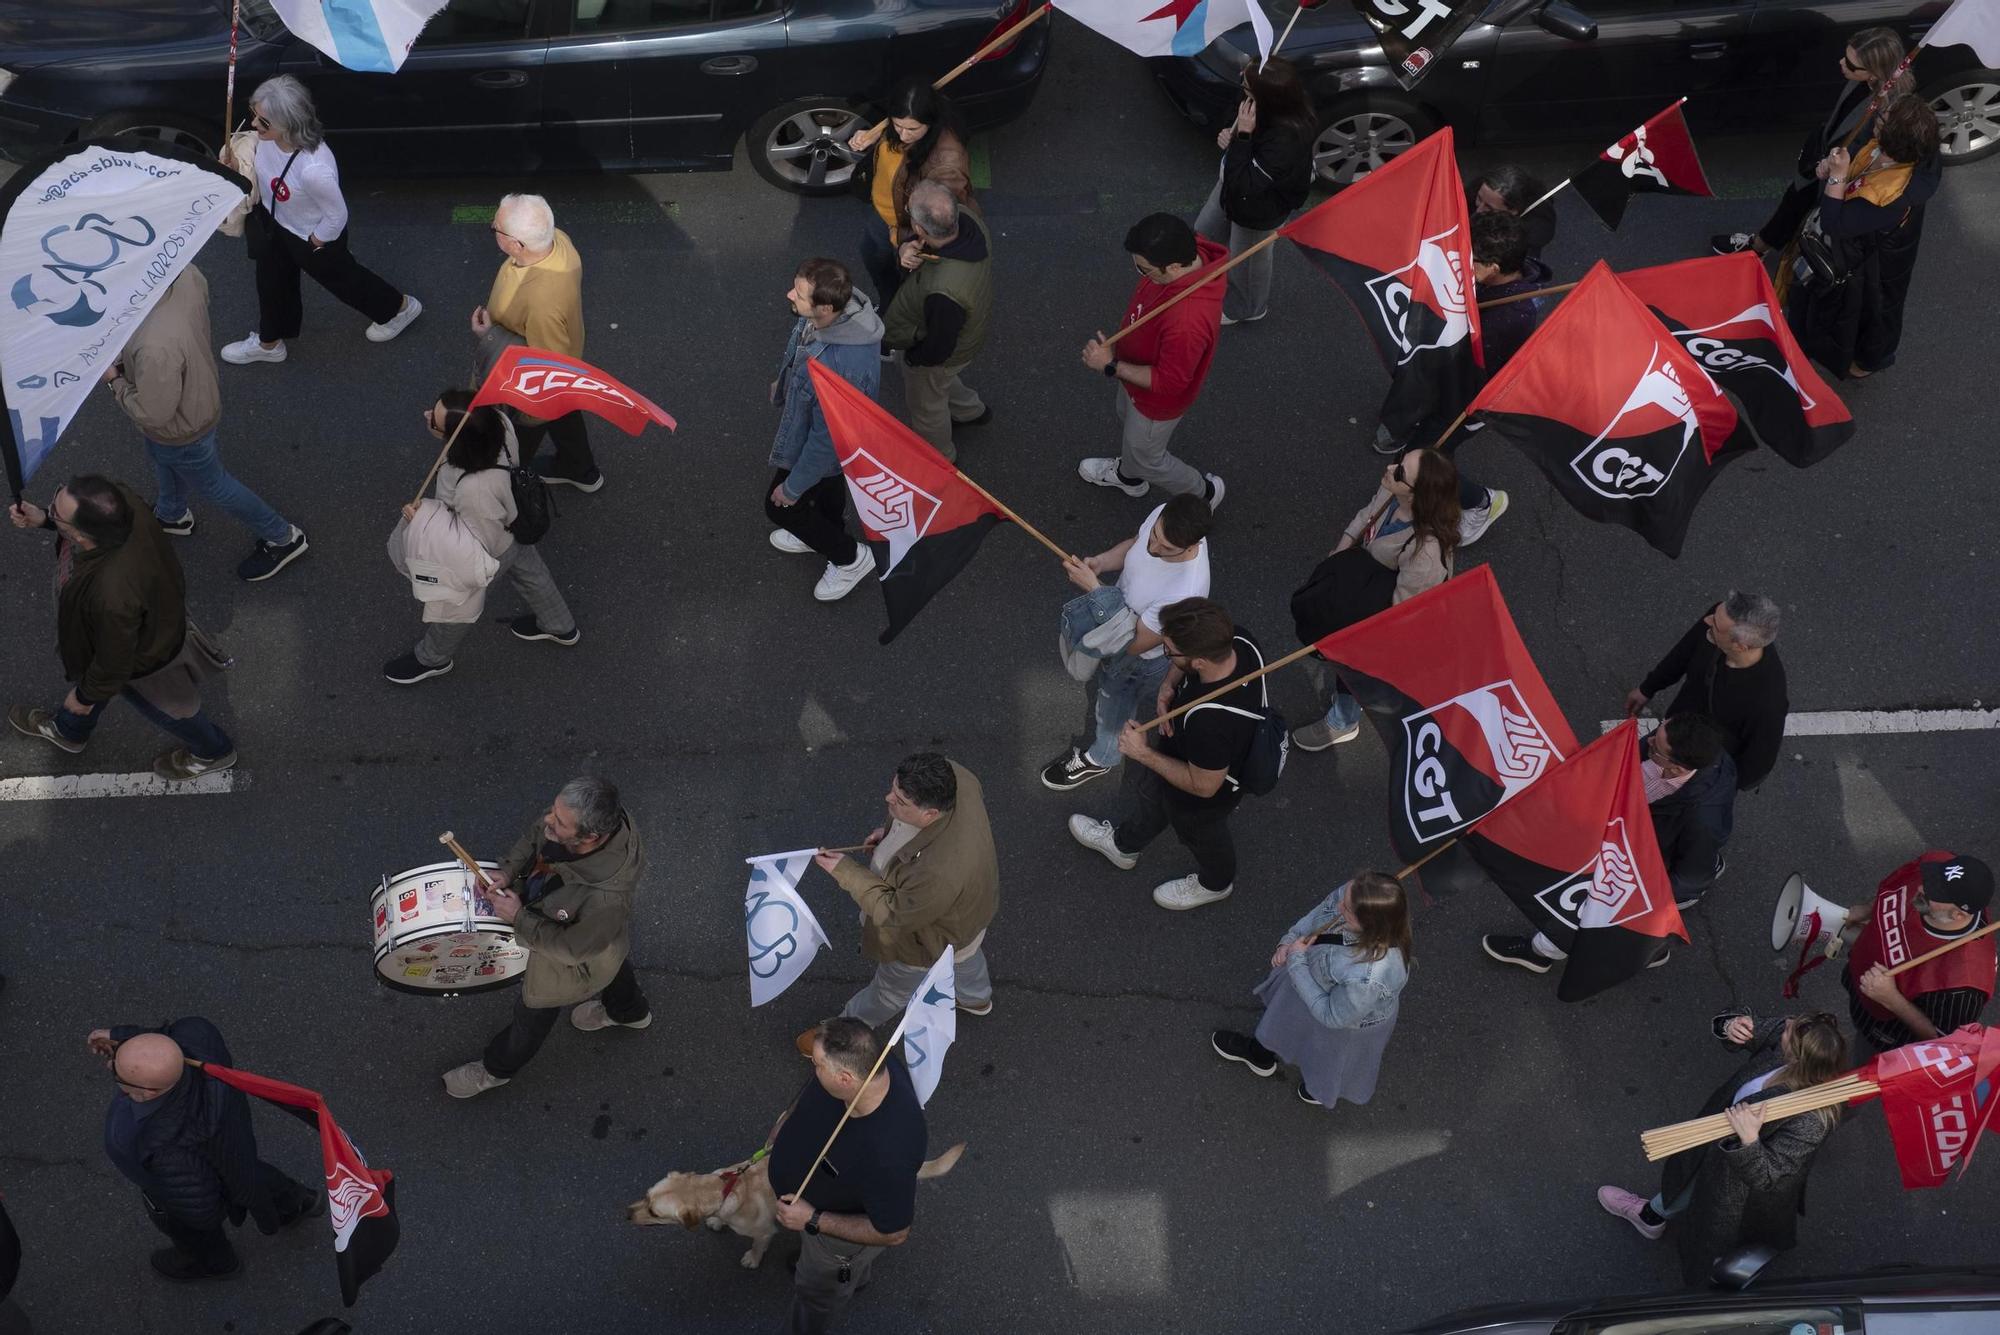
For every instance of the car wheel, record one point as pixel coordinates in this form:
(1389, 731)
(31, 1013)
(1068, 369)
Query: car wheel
(160, 127)
(802, 146)
(1968, 117)
(1363, 132)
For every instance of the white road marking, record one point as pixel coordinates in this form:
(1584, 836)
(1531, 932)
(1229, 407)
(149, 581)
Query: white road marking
(1868, 722)
(49, 787)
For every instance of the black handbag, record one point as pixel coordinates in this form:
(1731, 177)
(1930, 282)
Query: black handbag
(1347, 587)
(260, 227)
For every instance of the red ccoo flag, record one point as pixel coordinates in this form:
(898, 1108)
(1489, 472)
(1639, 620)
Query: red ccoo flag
(1657, 158)
(547, 384)
(1937, 1096)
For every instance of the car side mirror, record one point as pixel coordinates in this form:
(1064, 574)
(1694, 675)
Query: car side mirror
(1738, 1270)
(1566, 21)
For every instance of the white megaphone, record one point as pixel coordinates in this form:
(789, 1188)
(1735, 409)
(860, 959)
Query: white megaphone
(1805, 917)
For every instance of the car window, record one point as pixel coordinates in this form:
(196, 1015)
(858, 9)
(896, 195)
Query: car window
(642, 15)
(477, 21)
(1814, 1319)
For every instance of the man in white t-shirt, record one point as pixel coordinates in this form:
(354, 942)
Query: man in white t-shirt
(1166, 562)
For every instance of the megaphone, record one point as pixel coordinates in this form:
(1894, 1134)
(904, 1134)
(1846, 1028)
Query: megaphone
(1805, 917)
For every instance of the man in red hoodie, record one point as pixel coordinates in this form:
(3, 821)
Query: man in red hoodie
(1160, 366)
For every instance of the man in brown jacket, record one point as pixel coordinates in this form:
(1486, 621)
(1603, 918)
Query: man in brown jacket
(932, 880)
(121, 627)
(567, 887)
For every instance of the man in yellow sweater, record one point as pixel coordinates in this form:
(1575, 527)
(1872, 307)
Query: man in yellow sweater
(537, 299)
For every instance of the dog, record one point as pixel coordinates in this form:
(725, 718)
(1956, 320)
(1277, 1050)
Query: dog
(738, 1198)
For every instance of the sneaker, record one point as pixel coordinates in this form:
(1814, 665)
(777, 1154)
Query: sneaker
(1216, 491)
(1386, 444)
(1516, 950)
(839, 581)
(1244, 1050)
(1666, 953)
(1104, 473)
(527, 628)
(985, 418)
(1319, 735)
(171, 1263)
(252, 349)
(1071, 771)
(41, 723)
(471, 1080)
(787, 541)
(1102, 836)
(1229, 320)
(1305, 1096)
(1721, 864)
(180, 764)
(397, 323)
(973, 1007)
(1618, 1201)
(268, 558)
(588, 483)
(1724, 243)
(408, 670)
(179, 528)
(590, 1016)
(1187, 892)
(1472, 525)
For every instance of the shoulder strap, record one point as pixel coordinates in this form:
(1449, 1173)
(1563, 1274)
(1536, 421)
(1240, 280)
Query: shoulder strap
(281, 180)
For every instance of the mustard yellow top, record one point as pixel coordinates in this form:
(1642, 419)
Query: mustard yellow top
(1880, 186)
(882, 190)
(543, 301)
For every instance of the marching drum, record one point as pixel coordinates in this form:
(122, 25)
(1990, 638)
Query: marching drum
(437, 936)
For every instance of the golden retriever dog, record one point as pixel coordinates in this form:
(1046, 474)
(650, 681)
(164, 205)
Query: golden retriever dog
(738, 1198)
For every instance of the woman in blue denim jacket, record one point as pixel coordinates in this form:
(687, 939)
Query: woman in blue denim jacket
(1331, 999)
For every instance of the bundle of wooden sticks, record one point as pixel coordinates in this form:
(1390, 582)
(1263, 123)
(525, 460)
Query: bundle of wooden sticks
(1662, 1141)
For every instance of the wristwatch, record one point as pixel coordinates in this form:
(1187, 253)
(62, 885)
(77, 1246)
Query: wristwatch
(812, 1224)
(1111, 369)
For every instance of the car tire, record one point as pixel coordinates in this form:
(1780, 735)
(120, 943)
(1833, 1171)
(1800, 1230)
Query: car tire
(1968, 112)
(802, 145)
(1362, 131)
(178, 131)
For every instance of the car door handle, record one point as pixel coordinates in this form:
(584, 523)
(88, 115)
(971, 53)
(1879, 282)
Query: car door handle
(1708, 50)
(500, 79)
(729, 65)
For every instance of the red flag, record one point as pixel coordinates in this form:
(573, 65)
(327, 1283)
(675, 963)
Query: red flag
(1623, 421)
(923, 520)
(1937, 1096)
(547, 384)
(1399, 244)
(1578, 855)
(1478, 725)
(1724, 312)
(1657, 158)
(361, 1201)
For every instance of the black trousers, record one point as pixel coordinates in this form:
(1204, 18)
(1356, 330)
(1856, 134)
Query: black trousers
(1151, 805)
(818, 519)
(211, 1247)
(1798, 200)
(515, 1046)
(333, 267)
(572, 441)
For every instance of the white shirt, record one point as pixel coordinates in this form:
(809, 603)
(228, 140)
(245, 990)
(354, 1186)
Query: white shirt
(1755, 1084)
(313, 206)
(1150, 583)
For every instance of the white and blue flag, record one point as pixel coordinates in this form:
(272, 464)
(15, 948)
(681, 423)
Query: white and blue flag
(930, 1023)
(1173, 27)
(782, 932)
(369, 35)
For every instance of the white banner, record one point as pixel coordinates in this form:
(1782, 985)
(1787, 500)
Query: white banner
(87, 244)
(1973, 23)
(930, 1023)
(783, 934)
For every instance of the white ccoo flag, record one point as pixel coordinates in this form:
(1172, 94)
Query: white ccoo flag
(782, 932)
(930, 1023)
(1973, 23)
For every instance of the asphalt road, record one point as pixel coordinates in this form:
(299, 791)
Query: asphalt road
(1120, 1178)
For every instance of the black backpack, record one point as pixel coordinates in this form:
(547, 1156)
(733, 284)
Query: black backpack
(534, 507)
(1270, 744)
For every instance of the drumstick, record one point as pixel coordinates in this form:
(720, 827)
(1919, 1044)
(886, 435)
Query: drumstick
(470, 863)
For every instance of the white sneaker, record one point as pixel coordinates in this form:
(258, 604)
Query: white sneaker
(1188, 893)
(787, 541)
(1472, 524)
(1104, 473)
(1099, 834)
(590, 1016)
(252, 349)
(397, 323)
(471, 1080)
(1215, 501)
(839, 581)
(1229, 320)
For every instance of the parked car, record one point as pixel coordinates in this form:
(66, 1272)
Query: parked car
(1743, 64)
(519, 86)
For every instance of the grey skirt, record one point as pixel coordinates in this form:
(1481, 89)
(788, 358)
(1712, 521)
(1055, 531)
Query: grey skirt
(1333, 1063)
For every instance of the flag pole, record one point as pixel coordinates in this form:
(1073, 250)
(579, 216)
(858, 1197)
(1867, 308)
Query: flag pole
(988, 49)
(1290, 23)
(1523, 296)
(848, 1112)
(1008, 510)
(1546, 198)
(1946, 948)
(229, 83)
(438, 463)
(1188, 291)
(1226, 687)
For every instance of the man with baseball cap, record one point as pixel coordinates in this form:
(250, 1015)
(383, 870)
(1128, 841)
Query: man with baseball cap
(1936, 899)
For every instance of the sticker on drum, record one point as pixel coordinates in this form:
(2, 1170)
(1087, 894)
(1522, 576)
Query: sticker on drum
(422, 943)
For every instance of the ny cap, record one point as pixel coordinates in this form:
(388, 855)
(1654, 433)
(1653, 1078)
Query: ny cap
(1966, 882)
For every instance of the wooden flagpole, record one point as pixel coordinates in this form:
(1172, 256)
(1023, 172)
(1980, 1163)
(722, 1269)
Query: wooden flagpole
(229, 83)
(848, 1112)
(1663, 1141)
(1523, 296)
(881, 127)
(1290, 23)
(1563, 185)
(1188, 291)
(1008, 510)
(1946, 948)
(1226, 687)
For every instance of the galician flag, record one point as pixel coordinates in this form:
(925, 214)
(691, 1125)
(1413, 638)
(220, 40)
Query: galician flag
(929, 1025)
(369, 35)
(782, 932)
(1170, 27)
(1973, 23)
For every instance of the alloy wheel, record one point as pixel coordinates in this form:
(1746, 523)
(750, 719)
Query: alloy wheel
(1968, 118)
(810, 148)
(1351, 146)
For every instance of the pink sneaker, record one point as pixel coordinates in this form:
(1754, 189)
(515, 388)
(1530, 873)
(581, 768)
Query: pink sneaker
(1626, 1206)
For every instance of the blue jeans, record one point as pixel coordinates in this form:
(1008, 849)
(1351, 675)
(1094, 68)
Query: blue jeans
(199, 734)
(197, 468)
(880, 258)
(1122, 686)
(1346, 711)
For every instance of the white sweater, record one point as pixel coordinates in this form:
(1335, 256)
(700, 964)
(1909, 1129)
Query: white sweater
(313, 207)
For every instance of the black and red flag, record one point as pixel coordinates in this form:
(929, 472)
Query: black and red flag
(1624, 422)
(360, 1201)
(1578, 856)
(1476, 725)
(1658, 158)
(1414, 35)
(1399, 245)
(1724, 312)
(1937, 1095)
(922, 519)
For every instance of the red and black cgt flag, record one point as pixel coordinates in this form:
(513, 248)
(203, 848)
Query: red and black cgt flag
(361, 1201)
(1476, 725)
(1414, 34)
(1399, 245)
(1577, 854)
(923, 521)
(1724, 312)
(1938, 1095)
(1657, 158)
(1626, 424)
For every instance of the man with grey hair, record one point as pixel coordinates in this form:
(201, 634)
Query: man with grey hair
(537, 299)
(567, 887)
(938, 316)
(1728, 668)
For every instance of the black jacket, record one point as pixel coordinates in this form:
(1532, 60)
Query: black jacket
(1748, 704)
(1503, 329)
(1266, 175)
(1693, 823)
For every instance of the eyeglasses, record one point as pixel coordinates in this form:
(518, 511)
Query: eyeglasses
(509, 235)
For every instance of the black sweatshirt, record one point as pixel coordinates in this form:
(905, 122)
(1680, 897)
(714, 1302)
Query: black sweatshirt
(1748, 704)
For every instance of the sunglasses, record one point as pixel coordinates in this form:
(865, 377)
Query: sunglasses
(1849, 65)
(258, 122)
(1396, 476)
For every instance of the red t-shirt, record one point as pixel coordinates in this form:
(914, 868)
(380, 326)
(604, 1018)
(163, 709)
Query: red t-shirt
(1180, 344)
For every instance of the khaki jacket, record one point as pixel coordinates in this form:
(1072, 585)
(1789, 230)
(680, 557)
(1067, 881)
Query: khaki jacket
(123, 613)
(578, 935)
(169, 387)
(941, 889)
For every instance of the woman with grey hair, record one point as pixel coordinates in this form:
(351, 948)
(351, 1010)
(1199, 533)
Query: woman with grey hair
(299, 225)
